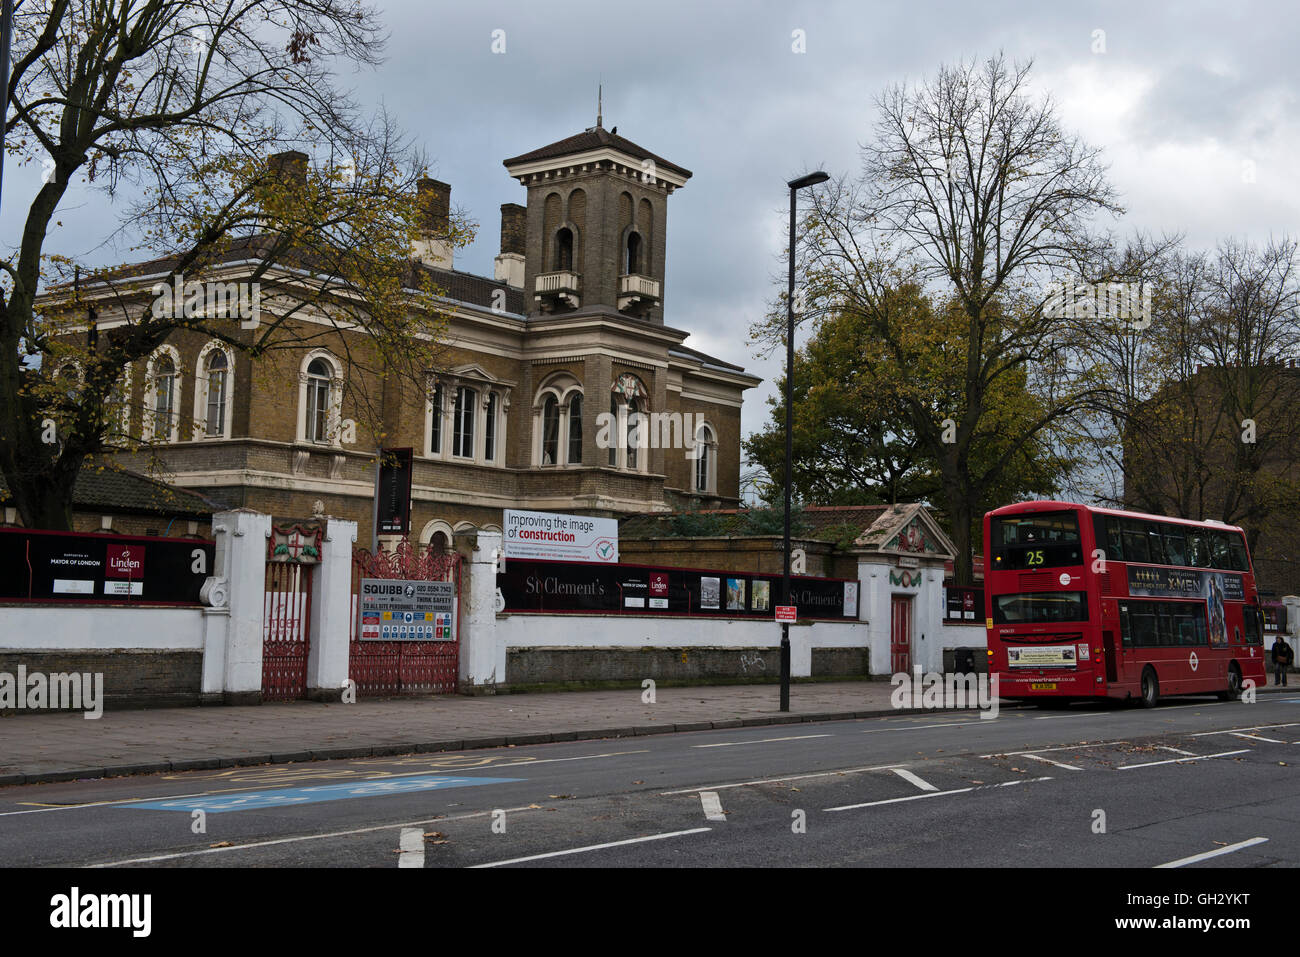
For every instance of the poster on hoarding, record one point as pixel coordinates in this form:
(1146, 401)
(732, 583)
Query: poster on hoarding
(555, 537)
(393, 609)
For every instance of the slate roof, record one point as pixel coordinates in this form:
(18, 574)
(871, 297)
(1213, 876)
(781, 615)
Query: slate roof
(123, 491)
(475, 290)
(818, 520)
(594, 139)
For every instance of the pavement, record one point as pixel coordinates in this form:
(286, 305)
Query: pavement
(65, 746)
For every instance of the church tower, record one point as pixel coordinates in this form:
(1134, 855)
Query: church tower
(596, 221)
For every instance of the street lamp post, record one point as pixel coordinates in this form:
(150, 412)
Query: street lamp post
(812, 179)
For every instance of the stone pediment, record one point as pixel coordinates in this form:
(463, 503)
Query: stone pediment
(906, 531)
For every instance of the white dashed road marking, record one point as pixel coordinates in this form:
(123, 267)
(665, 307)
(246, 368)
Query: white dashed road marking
(412, 847)
(932, 794)
(913, 779)
(1056, 764)
(732, 744)
(1203, 757)
(712, 806)
(596, 847)
(1215, 853)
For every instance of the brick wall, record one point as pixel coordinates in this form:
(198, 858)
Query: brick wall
(132, 679)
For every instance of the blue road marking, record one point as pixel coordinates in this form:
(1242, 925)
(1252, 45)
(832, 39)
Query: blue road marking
(288, 797)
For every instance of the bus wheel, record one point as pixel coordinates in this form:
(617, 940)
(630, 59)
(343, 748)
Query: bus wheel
(1150, 688)
(1234, 684)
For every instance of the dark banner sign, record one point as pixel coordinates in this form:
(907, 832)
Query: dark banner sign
(395, 472)
(638, 589)
(102, 569)
(963, 604)
(1184, 583)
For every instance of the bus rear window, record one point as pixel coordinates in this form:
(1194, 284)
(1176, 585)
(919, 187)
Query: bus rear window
(1037, 608)
(1039, 540)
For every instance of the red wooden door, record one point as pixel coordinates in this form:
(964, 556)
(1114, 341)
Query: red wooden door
(900, 634)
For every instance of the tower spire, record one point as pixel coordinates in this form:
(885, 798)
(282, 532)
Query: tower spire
(599, 103)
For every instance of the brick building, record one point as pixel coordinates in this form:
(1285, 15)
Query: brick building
(571, 325)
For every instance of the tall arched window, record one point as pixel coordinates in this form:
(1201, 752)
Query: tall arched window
(435, 421)
(632, 261)
(462, 432)
(320, 382)
(629, 421)
(550, 430)
(217, 370)
(575, 430)
(564, 250)
(490, 428)
(164, 402)
(705, 459)
(634, 427)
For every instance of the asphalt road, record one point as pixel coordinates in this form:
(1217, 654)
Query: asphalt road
(1094, 786)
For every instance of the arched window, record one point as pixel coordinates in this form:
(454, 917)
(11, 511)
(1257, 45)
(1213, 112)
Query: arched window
(436, 412)
(564, 250)
(632, 261)
(490, 428)
(217, 369)
(705, 460)
(462, 434)
(320, 383)
(550, 430)
(629, 423)
(575, 430)
(557, 421)
(164, 402)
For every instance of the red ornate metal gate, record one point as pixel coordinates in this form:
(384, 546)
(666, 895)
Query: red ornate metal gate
(286, 632)
(404, 667)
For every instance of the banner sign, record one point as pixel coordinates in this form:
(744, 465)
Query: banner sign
(395, 473)
(1042, 656)
(963, 604)
(1183, 583)
(553, 537)
(68, 568)
(393, 609)
(546, 586)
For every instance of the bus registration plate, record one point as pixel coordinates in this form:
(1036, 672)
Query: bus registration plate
(1043, 686)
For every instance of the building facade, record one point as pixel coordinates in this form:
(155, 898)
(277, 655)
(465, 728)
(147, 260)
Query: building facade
(570, 326)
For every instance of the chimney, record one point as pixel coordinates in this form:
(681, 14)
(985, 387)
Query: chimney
(509, 266)
(289, 166)
(433, 247)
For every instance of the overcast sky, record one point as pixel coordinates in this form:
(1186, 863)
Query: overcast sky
(1184, 96)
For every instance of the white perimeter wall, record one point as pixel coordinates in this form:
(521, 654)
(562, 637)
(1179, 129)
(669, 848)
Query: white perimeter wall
(627, 631)
(63, 628)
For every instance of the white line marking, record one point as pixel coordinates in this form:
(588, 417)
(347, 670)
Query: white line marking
(1215, 853)
(300, 782)
(788, 777)
(908, 776)
(596, 847)
(732, 744)
(1165, 747)
(412, 847)
(712, 806)
(931, 794)
(1071, 747)
(305, 837)
(1203, 757)
(1257, 727)
(1034, 757)
(921, 727)
(1257, 737)
(1087, 714)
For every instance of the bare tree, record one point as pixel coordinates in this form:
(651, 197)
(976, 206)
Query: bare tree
(973, 191)
(173, 111)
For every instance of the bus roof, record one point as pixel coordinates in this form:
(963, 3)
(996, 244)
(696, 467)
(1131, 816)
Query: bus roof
(1046, 505)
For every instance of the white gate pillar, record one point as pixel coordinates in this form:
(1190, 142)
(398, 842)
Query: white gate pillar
(482, 652)
(240, 569)
(331, 612)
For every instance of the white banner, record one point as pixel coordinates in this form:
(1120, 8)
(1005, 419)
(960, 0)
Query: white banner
(551, 536)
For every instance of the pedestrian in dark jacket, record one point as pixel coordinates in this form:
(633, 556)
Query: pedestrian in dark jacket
(1281, 653)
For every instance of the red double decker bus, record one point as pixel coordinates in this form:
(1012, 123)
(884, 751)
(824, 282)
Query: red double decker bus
(1084, 602)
